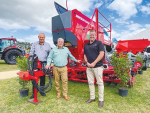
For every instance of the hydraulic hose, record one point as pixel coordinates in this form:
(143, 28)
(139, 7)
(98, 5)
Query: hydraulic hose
(33, 66)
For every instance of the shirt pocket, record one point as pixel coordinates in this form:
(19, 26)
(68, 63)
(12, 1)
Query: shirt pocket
(56, 54)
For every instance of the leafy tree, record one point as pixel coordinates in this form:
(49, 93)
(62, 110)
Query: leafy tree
(22, 65)
(139, 58)
(121, 67)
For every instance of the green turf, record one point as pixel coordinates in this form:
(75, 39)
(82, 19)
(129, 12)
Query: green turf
(137, 101)
(7, 67)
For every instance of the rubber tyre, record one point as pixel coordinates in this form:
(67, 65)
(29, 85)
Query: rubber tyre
(10, 56)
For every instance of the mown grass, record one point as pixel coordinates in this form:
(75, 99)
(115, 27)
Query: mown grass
(7, 67)
(137, 101)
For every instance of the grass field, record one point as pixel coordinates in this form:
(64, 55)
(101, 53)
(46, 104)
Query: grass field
(137, 101)
(7, 67)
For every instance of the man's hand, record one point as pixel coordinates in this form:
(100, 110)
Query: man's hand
(47, 67)
(88, 64)
(78, 61)
(92, 64)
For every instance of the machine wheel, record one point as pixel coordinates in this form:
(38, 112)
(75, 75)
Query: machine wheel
(10, 56)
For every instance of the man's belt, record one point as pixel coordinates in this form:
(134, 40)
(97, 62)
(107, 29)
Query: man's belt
(60, 66)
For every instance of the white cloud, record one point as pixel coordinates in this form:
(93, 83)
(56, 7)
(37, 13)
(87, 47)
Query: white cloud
(6, 24)
(125, 34)
(20, 40)
(131, 22)
(111, 17)
(132, 29)
(147, 25)
(97, 5)
(50, 41)
(114, 34)
(145, 9)
(23, 14)
(14, 31)
(34, 38)
(121, 21)
(134, 26)
(125, 8)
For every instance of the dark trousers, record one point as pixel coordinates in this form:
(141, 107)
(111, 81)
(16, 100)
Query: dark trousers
(42, 80)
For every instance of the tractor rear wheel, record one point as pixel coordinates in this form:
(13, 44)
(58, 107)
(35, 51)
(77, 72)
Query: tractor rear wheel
(11, 55)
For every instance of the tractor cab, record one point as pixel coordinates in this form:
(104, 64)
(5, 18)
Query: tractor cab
(8, 50)
(4, 43)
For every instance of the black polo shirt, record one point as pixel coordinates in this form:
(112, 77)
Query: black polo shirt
(92, 51)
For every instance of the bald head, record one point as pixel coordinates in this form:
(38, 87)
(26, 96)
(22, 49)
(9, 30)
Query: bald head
(41, 38)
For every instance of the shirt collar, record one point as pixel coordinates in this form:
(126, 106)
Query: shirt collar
(62, 47)
(92, 43)
(42, 44)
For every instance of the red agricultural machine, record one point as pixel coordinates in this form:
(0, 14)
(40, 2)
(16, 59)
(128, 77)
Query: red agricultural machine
(8, 50)
(136, 46)
(73, 27)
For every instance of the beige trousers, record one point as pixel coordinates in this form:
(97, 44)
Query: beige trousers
(61, 72)
(91, 74)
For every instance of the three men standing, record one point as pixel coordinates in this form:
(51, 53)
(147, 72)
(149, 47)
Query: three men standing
(93, 56)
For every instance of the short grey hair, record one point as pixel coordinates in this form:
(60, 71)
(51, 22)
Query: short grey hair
(60, 39)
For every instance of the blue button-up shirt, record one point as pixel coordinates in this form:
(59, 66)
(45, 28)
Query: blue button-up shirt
(59, 56)
(130, 55)
(42, 51)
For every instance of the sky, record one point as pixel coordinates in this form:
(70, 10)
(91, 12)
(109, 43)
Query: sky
(25, 19)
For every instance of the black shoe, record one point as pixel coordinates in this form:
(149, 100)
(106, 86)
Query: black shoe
(42, 90)
(90, 100)
(101, 103)
(32, 96)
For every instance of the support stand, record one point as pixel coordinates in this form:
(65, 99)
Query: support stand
(35, 100)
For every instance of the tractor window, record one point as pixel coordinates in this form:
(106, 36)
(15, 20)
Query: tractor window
(12, 43)
(4, 44)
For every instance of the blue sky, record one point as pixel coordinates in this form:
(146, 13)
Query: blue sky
(25, 19)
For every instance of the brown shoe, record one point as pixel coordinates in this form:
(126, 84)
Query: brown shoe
(58, 96)
(67, 98)
(90, 100)
(101, 103)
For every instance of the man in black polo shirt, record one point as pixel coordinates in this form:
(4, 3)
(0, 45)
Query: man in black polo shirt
(93, 56)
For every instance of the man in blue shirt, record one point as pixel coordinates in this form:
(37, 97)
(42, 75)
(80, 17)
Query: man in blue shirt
(42, 50)
(59, 56)
(131, 56)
